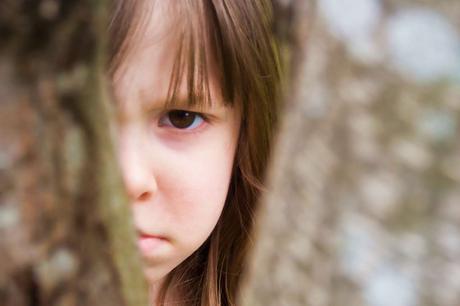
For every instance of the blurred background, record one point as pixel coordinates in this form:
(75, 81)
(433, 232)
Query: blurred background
(364, 206)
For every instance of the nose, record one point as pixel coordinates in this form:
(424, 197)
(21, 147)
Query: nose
(138, 176)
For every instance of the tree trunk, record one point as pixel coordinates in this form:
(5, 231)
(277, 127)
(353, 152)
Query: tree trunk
(363, 207)
(65, 238)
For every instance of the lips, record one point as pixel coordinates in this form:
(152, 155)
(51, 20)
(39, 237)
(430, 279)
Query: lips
(144, 235)
(149, 244)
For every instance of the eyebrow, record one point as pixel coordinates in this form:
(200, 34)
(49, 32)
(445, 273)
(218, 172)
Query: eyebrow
(180, 102)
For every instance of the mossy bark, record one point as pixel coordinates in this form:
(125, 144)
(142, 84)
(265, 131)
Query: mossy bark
(65, 233)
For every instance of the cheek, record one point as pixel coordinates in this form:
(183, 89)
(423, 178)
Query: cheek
(199, 195)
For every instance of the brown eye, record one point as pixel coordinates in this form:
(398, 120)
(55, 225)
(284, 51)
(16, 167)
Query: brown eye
(181, 119)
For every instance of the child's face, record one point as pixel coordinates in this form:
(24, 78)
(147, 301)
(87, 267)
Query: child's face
(176, 165)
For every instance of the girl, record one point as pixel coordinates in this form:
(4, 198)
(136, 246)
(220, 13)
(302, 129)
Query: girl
(196, 83)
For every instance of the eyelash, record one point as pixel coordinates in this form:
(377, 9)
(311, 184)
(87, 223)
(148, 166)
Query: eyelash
(165, 120)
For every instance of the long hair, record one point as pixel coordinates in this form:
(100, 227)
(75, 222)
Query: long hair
(236, 36)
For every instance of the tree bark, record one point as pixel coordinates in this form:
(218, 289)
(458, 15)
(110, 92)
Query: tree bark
(65, 234)
(363, 207)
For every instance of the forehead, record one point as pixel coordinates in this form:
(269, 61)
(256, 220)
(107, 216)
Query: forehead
(146, 71)
(148, 55)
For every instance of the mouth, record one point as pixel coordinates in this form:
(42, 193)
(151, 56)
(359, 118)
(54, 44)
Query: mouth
(149, 244)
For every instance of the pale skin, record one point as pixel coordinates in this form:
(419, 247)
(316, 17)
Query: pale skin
(176, 176)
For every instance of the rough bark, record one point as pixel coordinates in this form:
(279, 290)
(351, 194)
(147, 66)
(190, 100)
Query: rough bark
(363, 207)
(65, 234)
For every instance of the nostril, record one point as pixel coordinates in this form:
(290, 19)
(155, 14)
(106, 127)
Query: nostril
(144, 196)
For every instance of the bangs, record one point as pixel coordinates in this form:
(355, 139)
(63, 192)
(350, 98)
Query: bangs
(221, 48)
(224, 47)
(198, 60)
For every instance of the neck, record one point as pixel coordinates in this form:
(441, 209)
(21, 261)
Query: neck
(154, 294)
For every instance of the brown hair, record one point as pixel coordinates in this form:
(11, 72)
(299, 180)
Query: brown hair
(236, 35)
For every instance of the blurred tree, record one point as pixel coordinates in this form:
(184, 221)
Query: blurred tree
(363, 207)
(59, 245)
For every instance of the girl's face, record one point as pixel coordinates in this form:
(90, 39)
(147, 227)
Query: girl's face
(176, 163)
